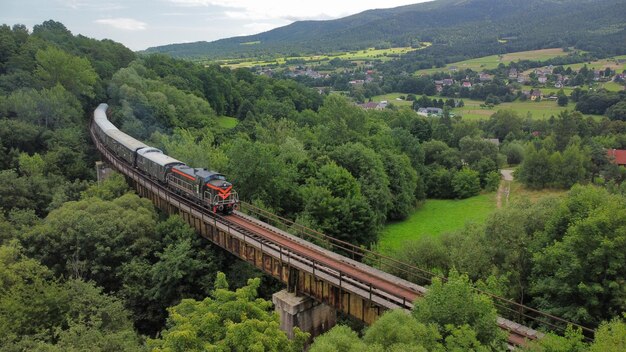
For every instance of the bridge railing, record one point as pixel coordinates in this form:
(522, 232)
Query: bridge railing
(507, 308)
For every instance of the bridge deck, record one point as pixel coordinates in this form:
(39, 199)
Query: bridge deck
(350, 286)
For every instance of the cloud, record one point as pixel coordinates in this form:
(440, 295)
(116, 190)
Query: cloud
(257, 27)
(127, 24)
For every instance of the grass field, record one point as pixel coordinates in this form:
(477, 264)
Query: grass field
(227, 122)
(612, 86)
(357, 55)
(393, 98)
(491, 62)
(538, 110)
(472, 110)
(519, 192)
(435, 217)
(601, 64)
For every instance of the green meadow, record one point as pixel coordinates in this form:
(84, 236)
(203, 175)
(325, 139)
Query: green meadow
(491, 62)
(473, 110)
(537, 110)
(435, 217)
(357, 55)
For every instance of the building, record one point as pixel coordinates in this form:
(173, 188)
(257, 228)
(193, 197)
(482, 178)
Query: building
(430, 111)
(484, 77)
(535, 94)
(617, 156)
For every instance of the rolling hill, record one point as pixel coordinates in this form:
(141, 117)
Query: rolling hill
(497, 25)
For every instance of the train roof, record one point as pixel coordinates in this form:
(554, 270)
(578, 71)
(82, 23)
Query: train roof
(203, 174)
(146, 150)
(105, 124)
(125, 140)
(160, 158)
(101, 112)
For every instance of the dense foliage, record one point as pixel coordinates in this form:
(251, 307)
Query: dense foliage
(92, 266)
(458, 30)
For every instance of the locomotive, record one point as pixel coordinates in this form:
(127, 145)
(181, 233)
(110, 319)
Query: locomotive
(208, 188)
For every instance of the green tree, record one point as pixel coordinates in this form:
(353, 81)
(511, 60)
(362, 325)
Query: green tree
(226, 321)
(396, 327)
(562, 99)
(92, 238)
(617, 111)
(39, 312)
(535, 171)
(55, 66)
(573, 168)
(340, 338)
(455, 303)
(466, 183)
(578, 275)
(610, 336)
(504, 122)
(367, 167)
(333, 203)
(398, 168)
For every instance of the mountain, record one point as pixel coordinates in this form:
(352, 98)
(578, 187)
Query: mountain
(509, 24)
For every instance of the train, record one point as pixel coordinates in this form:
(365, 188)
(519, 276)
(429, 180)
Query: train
(209, 188)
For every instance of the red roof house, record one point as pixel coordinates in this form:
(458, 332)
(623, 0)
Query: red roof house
(617, 156)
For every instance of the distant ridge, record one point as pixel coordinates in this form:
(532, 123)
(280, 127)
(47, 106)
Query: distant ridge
(527, 24)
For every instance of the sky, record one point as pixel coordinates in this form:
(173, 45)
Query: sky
(140, 24)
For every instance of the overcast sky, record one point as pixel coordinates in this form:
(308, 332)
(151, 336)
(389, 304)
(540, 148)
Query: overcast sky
(140, 24)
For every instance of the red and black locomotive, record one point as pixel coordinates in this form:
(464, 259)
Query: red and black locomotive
(209, 188)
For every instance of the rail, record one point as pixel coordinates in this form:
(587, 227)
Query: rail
(286, 253)
(517, 312)
(507, 308)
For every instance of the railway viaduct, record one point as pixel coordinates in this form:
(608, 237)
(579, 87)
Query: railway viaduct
(319, 281)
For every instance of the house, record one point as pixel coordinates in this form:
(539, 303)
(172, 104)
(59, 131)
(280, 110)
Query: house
(466, 84)
(438, 82)
(357, 82)
(374, 106)
(513, 73)
(438, 88)
(617, 156)
(619, 78)
(542, 79)
(483, 77)
(596, 75)
(535, 94)
(522, 79)
(448, 81)
(369, 105)
(430, 111)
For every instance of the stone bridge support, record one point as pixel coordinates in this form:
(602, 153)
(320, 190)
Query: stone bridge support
(303, 312)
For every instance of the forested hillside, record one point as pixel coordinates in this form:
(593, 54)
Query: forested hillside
(458, 29)
(92, 266)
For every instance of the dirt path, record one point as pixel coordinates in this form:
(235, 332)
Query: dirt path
(505, 187)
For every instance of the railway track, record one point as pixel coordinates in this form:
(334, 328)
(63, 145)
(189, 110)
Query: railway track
(380, 286)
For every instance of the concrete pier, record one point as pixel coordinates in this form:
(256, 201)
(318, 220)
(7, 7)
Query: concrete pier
(103, 171)
(304, 313)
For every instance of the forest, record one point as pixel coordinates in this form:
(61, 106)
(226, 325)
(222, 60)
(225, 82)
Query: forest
(457, 31)
(89, 265)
